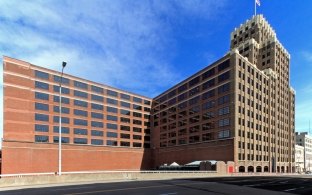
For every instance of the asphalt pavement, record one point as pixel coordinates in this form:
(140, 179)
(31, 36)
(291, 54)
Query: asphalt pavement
(219, 185)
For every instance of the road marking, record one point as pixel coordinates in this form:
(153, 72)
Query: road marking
(292, 189)
(169, 193)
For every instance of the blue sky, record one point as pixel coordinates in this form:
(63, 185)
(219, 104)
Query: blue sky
(147, 46)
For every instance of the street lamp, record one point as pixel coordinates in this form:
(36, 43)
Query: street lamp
(60, 126)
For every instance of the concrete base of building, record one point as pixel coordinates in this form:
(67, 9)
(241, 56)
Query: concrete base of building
(43, 157)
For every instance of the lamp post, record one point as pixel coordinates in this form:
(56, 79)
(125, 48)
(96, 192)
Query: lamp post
(60, 125)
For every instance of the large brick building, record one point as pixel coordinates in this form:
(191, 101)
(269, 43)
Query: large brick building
(240, 108)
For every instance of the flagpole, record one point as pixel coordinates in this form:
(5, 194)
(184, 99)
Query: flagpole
(255, 7)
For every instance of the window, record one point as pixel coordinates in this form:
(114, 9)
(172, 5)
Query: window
(208, 105)
(41, 117)
(138, 100)
(96, 142)
(137, 137)
(111, 134)
(80, 122)
(111, 143)
(63, 139)
(224, 134)
(224, 122)
(137, 122)
(224, 99)
(64, 109)
(111, 126)
(80, 85)
(112, 93)
(193, 91)
(137, 107)
(208, 84)
(57, 89)
(64, 119)
(208, 74)
(124, 136)
(224, 76)
(124, 120)
(194, 81)
(64, 99)
(78, 131)
(124, 96)
(64, 129)
(97, 124)
(42, 75)
(136, 114)
(147, 109)
(97, 115)
(97, 89)
(97, 98)
(146, 102)
(137, 145)
(137, 129)
(97, 106)
(125, 112)
(182, 88)
(97, 133)
(224, 88)
(224, 65)
(111, 101)
(124, 128)
(80, 113)
(225, 110)
(194, 100)
(111, 118)
(80, 140)
(125, 104)
(41, 85)
(57, 79)
(40, 106)
(41, 128)
(41, 138)
(182, 96)
(80, 94)
(126, 144)
(208, 94)
(111, 109)
(41, 96)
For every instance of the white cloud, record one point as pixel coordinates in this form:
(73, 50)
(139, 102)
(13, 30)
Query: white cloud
(120, 43)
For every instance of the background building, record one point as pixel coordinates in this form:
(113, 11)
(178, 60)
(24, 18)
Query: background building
(303, 139)
(299, 158)
(240, 108)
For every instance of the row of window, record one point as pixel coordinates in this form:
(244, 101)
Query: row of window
(81, 85)
(44, 96)
(45, 139)
(209, 94)
(208, 74)
(83, 122)
(66, 130)
(195, 138)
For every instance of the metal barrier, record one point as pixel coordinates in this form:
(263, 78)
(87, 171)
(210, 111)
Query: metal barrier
(99, 172)
(26, 175)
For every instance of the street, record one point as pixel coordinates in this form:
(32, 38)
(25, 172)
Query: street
(220, 185)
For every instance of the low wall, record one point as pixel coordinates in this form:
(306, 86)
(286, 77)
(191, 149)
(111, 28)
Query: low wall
(50, 178)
